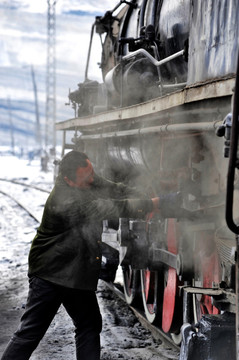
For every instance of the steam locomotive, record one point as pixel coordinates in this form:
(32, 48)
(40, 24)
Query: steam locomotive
(160, 121)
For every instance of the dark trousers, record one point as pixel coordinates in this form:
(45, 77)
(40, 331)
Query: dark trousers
(44, 299)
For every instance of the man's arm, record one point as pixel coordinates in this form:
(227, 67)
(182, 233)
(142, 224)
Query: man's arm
(117, 190)
(168, 205)
(102, 209)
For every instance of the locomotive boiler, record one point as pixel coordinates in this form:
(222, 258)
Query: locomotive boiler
(160, 121)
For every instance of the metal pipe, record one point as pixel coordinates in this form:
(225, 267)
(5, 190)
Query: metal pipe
(170, 128)
(151, 58)
(176, 85)
(89, 52)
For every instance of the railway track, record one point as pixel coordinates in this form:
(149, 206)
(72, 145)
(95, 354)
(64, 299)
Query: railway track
(10, 189)
(156, 332)
(24, 184)
(21, 205)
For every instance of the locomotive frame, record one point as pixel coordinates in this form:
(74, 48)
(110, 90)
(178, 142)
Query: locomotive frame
(163, 139)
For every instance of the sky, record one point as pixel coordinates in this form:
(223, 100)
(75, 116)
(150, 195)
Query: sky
(23, 48)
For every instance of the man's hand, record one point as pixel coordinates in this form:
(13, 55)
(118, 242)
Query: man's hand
(170, 206)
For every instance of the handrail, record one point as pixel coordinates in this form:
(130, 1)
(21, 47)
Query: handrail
(233, 158)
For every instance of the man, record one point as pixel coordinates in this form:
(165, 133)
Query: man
(65, 256)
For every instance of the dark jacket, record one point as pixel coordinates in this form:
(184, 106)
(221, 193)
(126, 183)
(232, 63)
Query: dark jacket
(67, 247)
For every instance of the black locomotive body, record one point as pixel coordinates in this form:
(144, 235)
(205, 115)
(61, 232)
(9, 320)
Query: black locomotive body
(168, 76)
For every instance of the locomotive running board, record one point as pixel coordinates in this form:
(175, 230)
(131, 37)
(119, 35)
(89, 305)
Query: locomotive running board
(151, 109)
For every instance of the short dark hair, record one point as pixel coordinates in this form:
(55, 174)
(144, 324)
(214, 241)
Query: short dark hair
(70, 162)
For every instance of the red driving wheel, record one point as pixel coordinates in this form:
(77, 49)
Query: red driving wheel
(130, 283)
(171, 290)
(151, 291)
(149, 287)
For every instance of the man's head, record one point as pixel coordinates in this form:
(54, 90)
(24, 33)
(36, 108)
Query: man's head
(76, 170)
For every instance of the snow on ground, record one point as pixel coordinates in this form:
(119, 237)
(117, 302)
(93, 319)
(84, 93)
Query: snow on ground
(12, 167)
(21, 170)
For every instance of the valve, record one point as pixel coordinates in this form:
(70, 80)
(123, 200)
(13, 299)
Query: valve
(225, 130)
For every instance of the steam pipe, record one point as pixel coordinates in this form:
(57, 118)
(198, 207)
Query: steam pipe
(170, 128)
(151, 58)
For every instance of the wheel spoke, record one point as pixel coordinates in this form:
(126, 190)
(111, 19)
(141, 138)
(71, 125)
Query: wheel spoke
(131, 284)
(171, 317)
(149, 289)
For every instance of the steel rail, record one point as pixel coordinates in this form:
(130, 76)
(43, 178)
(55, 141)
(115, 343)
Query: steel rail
(21, 205)
(156, 332)
(23, 184)
(17, 201)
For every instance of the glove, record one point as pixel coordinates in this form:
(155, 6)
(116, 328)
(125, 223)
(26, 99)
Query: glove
(170, 201)
(170, 206)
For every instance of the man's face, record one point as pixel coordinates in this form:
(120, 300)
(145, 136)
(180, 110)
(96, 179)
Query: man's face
(84, 176)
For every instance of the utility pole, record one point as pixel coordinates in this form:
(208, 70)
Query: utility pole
(11, 125)
(50, 132)
(38, 130)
